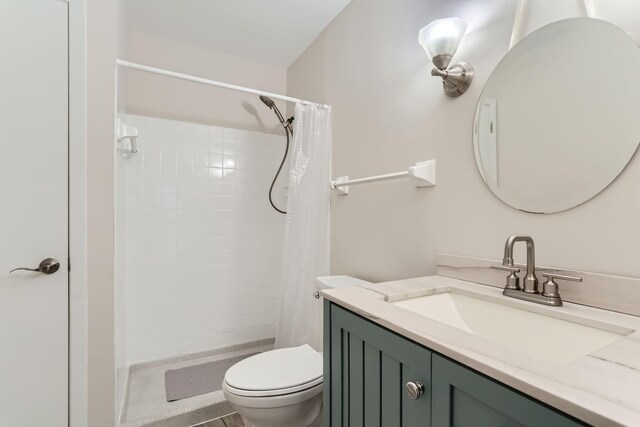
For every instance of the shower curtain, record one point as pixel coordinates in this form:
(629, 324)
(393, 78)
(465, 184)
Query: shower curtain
(306, 245)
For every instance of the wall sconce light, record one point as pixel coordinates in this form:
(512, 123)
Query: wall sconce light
(440, 40)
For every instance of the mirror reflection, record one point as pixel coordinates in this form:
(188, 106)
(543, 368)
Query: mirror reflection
(559, 117)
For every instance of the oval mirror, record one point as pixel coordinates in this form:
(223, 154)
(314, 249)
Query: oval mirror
(559, 117)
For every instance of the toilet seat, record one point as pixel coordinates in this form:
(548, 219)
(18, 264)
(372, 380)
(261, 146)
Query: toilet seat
(269, 402)
(275, 373)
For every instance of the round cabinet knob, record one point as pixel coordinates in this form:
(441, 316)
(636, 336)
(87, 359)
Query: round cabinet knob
(414, 389)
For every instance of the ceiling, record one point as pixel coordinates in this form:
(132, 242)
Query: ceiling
(273, 32)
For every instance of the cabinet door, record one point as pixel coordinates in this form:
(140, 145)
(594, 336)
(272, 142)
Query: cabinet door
(365, 372)
(464, 398)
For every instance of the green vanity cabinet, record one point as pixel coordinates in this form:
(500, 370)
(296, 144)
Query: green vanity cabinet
(367, 366)
(462, 397)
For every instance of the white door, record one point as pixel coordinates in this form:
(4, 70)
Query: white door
(34, 217)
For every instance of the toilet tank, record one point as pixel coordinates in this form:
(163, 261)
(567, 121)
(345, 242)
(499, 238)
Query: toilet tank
(334, 282)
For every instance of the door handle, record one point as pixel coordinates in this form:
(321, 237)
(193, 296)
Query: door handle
(47, 266)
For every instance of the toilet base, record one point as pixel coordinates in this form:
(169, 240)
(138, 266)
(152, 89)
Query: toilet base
(307, 413)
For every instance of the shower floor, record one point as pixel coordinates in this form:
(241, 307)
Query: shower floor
(200, 379)
(146, 401)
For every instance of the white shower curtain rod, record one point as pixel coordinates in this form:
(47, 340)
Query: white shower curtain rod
(127, 64)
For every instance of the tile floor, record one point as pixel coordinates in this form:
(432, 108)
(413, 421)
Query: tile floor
(232, 420)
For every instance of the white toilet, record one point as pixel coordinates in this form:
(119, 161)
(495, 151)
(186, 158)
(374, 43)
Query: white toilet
(281, 388)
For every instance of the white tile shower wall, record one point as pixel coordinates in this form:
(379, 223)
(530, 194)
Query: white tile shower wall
(202, 247)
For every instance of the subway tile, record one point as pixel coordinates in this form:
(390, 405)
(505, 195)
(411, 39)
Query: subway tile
(185, 158)
(215, 133)
(219, 202)
(203, 244)
(168, 216)
(192, 186)
(230, 147)
(219, 242)
(215, 160)
(169, 158)
(201, 173)
(246, 190)
(167, 201)
(168, 142)
(200, 158)
(246, 162)
(201, 145)
(216, 146)
(168, 186)
(218, 188)
(230, 134)
(215, 175)
(152, 169)
(229, 175)
(229, 161)
(186, 145)
(187, 129)
(171, 127)
(185, 171)
(152, 124)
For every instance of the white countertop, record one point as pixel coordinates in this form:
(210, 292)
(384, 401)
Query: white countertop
(602, 388)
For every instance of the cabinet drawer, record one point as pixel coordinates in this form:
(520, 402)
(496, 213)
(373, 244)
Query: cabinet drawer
(464, 398)
(366, 369)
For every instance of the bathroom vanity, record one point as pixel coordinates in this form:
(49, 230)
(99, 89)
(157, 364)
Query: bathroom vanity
(437, 351)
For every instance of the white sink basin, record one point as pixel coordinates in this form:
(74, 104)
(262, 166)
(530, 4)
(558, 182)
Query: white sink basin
(537, 332)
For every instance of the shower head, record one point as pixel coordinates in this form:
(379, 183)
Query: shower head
(286, 124)
(267, 101)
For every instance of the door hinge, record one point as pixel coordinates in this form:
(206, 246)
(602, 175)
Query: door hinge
(68, 264)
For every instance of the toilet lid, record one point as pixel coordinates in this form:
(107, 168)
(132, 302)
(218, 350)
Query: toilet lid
(280, 371)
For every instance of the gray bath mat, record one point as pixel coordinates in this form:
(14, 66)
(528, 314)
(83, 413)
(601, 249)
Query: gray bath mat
(198, 379)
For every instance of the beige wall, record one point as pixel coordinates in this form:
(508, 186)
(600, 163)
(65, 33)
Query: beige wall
(389, 113)
(100, 60)
(158, 96)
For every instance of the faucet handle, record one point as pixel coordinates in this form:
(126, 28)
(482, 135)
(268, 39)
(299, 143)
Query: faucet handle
(550, 287)
(562, 277)
(513, 281)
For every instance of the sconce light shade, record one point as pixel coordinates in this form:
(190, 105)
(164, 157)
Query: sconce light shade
(441, 38)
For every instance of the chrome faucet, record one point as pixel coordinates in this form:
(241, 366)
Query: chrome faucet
(529, 291)
(530, 283)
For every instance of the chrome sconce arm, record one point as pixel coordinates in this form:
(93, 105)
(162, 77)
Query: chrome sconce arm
(457, 79)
